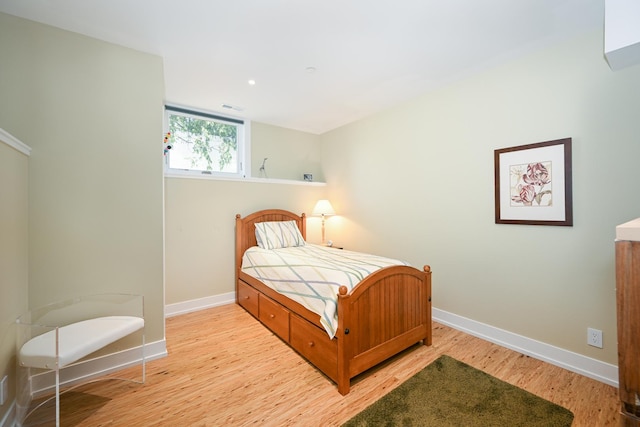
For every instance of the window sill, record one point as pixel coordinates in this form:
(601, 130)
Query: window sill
(249, 179)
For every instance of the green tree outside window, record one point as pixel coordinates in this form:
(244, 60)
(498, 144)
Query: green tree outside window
(203, 144)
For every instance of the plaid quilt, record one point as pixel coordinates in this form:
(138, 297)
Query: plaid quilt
(311, 275)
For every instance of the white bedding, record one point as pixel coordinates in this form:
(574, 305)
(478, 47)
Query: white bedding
(311, 275)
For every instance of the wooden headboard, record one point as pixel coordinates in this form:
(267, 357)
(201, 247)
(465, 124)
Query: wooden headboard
(246, 230)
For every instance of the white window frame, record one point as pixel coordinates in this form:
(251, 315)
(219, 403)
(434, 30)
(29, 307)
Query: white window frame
(243, 142)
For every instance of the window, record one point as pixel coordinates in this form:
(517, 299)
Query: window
(204, 144)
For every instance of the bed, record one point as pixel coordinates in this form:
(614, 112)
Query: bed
(386, 312)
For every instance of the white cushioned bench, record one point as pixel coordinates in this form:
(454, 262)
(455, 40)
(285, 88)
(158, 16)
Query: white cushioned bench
(76, 341)
(57, 338)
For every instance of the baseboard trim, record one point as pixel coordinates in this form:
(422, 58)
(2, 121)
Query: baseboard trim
(171, 310)
(574, 362)
(44, 383)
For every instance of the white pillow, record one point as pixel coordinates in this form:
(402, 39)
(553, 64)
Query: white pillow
(278, 234)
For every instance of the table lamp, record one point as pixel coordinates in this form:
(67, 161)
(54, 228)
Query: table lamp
(323, 208)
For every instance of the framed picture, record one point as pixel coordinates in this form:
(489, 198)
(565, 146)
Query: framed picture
(533, 184)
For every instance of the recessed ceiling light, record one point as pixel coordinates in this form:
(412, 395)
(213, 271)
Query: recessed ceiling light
(252, 82)
(310, 70)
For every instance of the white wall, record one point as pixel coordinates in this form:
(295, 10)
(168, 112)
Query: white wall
(290, 153)
(200, 229)
(92, 113)
(416, 182)
(14, 176)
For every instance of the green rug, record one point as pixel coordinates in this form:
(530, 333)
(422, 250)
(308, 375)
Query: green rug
(452, 393)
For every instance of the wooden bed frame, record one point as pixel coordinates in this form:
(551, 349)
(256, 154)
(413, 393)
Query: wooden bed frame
(387, 312)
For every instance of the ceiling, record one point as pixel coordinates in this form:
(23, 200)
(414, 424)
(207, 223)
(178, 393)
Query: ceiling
(317, 64)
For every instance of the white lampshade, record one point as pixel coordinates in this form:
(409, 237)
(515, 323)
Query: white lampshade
(324, 208)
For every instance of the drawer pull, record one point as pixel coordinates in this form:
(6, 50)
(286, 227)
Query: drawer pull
(246, 297)
(311, 343)
(272, 316)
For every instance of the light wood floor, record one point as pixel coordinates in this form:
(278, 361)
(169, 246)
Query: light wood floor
(224, 368)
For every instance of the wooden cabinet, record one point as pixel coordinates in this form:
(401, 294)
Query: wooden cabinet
(628, 317)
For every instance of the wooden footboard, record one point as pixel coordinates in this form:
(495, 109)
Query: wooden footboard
(384, 314)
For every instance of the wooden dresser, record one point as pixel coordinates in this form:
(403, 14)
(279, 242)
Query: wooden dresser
(628, 311)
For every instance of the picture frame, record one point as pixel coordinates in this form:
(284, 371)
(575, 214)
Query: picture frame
(533, 184)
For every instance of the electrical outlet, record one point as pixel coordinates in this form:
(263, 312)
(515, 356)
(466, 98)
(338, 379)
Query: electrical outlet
(594, 337)
(4, 389)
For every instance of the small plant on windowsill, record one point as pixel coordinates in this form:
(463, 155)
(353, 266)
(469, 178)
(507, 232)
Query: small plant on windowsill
(167, 143)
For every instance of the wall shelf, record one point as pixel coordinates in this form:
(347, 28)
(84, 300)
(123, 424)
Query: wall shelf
(252, 180)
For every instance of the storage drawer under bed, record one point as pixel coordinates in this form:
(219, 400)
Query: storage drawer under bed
(314, 344)
(309, 340)
(248, 298)
(274, 316)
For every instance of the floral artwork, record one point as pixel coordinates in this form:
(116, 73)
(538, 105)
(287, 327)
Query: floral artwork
(531, 184)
